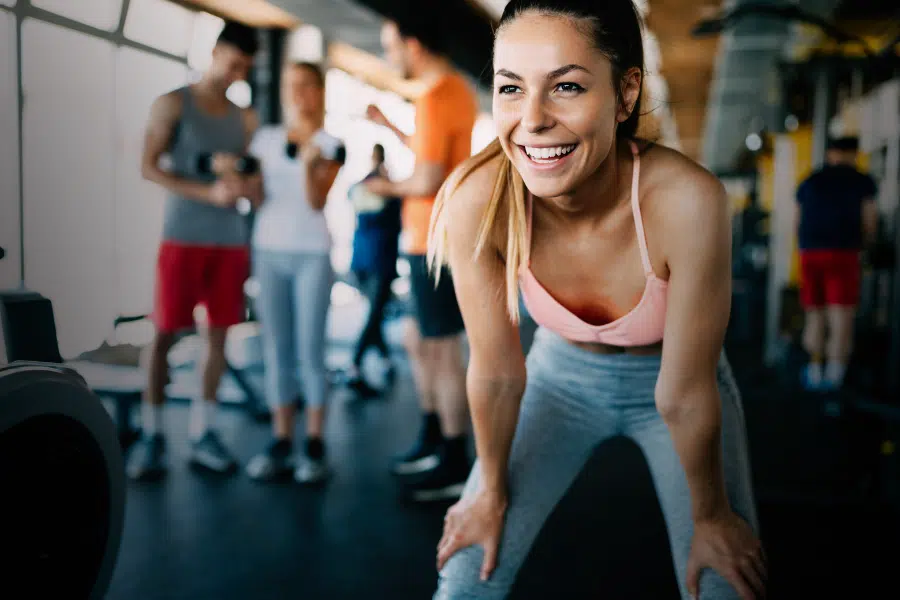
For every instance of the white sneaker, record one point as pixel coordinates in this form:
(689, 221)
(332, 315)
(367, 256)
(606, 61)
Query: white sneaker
(813, 376)
(834, 374)
(311, 471)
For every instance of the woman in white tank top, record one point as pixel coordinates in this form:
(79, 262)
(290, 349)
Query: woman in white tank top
(292, 264)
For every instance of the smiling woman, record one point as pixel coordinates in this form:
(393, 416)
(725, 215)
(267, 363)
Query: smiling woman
(621, 251)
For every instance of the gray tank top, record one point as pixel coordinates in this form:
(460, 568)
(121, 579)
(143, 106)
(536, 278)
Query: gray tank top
(188, 221)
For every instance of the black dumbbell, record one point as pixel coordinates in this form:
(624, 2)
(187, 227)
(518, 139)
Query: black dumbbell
(245, 165)
(291, 149)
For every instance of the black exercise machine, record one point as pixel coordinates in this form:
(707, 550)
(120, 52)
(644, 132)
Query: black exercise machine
(63, 479)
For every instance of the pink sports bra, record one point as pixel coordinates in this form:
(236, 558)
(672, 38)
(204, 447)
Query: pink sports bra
(641, 326)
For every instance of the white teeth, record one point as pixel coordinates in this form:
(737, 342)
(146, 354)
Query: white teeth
(548, 153)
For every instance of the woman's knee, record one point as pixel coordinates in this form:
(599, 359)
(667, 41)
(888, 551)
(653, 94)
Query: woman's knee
(460, 579)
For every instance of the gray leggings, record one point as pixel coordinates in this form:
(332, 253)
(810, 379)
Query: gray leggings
(293, 301)
(574, 400)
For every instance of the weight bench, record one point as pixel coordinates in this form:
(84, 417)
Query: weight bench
(28, 333)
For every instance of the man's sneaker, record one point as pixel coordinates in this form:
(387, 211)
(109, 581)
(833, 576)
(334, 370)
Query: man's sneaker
(210, 453)
(445, 482)
(424, 456)
(275, 462)
(146, 458)
(310, 470)
(811, 377)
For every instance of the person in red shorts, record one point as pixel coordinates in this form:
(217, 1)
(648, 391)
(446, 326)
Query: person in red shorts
(837, 217)
(204, 255)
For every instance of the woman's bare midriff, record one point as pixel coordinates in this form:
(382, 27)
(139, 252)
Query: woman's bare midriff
(650, 350)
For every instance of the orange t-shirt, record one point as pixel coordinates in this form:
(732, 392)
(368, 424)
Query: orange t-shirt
(445, 117)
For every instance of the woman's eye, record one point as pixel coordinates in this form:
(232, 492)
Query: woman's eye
(507, 89)
(569, 88)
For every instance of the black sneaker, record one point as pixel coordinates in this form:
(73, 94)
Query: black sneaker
(275, 462)
(424, 456)
(444, 482)
(146, 458)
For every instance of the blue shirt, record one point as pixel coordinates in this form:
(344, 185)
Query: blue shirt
(831, 208)
(376, 241)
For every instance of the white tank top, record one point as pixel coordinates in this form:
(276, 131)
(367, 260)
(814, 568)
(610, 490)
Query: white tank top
(286, 222)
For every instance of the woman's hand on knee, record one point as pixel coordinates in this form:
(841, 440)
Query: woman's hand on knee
(728, 545)
(476, 519)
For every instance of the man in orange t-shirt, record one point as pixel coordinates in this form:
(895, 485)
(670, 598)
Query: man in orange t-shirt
(445, 117)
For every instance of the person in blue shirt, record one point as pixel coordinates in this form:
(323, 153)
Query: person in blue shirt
(374, 263)
(837, 218)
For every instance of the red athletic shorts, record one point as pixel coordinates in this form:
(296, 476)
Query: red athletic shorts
(829, 277)
(189, 276)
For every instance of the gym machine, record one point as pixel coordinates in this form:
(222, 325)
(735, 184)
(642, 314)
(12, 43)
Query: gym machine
(63, 479)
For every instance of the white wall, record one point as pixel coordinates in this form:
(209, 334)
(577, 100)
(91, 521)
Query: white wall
(69, 184)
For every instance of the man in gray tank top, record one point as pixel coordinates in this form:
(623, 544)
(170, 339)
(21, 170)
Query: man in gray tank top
(204, 255)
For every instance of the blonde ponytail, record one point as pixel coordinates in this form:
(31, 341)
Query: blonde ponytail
(509, 190)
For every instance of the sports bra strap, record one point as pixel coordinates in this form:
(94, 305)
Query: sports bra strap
(636, 209)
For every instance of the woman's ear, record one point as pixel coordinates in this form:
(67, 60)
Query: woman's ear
(631, 84)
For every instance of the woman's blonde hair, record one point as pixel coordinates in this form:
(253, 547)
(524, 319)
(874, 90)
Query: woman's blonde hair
(508, 194)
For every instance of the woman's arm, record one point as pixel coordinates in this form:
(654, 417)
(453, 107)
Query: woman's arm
(320, 176)
(495, 379)
(698, 252)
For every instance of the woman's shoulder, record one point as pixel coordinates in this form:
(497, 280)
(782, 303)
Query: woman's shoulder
(470, 184)
(468, 190)
(676, 188)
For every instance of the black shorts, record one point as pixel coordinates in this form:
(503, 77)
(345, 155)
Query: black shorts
(435, 308)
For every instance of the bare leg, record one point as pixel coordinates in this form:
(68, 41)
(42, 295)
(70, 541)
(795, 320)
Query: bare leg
(814, 333)
(283, 420)
(421, 364)
(840, 342)
(158, 368)
(203, 409)
(450, 386)
(214, 362)
(315, 421)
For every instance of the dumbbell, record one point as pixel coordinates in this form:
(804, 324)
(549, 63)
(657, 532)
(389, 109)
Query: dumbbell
(339, 153)
(245, 165)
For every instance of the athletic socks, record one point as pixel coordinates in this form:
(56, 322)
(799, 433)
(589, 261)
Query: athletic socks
(151, 418)
(203, 417)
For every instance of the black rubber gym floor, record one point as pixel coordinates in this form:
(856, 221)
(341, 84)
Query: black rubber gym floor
(196, 536)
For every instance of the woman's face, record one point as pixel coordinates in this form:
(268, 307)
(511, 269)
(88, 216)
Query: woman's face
(303, 92)
(555, 107)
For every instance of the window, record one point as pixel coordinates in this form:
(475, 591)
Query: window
(102, 14)
(206, 31)
(346, 99)
(484, 133)
(69, 161)
(160, 24)
(306, 44)
(140, 78)
(9, 154)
